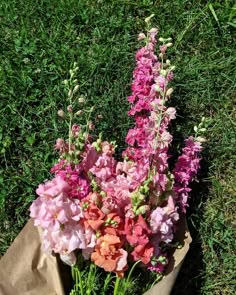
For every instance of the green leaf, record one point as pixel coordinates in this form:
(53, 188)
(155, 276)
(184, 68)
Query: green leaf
(214, 13)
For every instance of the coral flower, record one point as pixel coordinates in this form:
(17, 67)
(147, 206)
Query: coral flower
(109, 254)
(114, 224)
(93, 217)
(143, 253)
(137, 232)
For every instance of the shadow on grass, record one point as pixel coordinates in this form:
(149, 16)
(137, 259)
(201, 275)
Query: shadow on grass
(191, 279)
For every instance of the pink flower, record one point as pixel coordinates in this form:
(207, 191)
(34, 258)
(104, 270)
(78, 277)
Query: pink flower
(136, 172)
(162, 180)
(104, 167)
(90, 157)
(161, 82)
(107, 148)
(108, 204)
(141, 36)
(61, 145)
(162, 221)
(52, 213)
(69, 259)
(171, 113)
(69, 239)
(53, 187)
(75, 130)
(119, 189)
(58, 166)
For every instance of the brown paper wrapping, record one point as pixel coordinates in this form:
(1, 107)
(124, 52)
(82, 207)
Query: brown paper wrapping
(26, 270)
(176, 260)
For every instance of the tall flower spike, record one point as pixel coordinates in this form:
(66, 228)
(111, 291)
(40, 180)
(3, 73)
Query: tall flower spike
(185, 170)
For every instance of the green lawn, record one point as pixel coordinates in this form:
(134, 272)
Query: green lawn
(40, 40)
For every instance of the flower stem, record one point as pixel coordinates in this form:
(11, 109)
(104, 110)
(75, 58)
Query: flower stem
(89, 280)
(80, 282)
(116, 286)
(76, 274)
(70, 126)
(132, 269)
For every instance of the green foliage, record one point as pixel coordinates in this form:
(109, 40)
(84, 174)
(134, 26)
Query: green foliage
(40, 42)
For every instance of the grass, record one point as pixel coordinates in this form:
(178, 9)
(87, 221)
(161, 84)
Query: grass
(39, 42)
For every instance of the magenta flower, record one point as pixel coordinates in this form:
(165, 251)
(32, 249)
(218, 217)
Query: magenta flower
(76, 179)
(185, 170)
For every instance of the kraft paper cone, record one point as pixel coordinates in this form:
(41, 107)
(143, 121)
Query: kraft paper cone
(165, 286)
(26, 270)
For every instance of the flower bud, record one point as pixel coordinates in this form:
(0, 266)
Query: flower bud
(169, 44)
(91, 125)
(85, 135)
(71, 153)
(61, 113)
(201, 139)
(76, 89)
(147, 19)
(141, 36)
(81, 100)
(103, 194)
(163, 73)
(169, 91)
(142, 210)
(78, 153)
(153, 30)
(37, 71)
(163, 48)
(70, 93)
(157, 88)
(26, 60)
(70, 109)
(78, 113)
(161, 39)
(168, 62)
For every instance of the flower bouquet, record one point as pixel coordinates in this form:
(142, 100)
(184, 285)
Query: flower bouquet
(114, 222)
